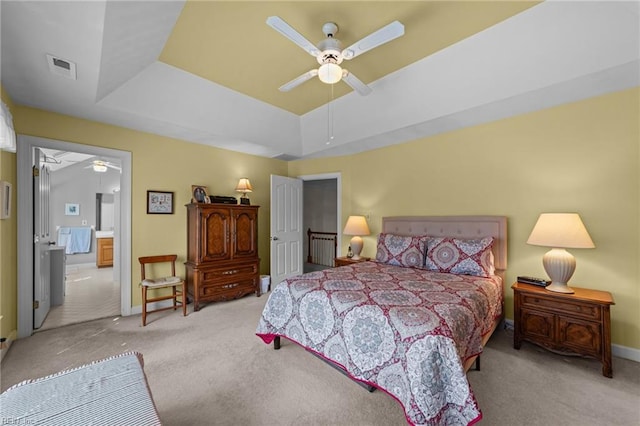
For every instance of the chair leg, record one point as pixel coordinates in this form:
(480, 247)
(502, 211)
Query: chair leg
(175, 299)
(144, 306)
(184, 299)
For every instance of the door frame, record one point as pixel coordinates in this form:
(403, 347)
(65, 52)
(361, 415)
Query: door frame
(338, 177)
(25, 225)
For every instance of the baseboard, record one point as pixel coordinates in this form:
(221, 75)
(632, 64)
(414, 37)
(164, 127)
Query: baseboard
(508, 324)
(7, 344)
(626, 352)
(619, 351)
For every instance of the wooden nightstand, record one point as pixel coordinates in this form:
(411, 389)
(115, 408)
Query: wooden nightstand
(343, 261)
(569, 324)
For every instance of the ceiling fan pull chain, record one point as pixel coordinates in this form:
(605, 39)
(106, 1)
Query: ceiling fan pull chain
(330, 117)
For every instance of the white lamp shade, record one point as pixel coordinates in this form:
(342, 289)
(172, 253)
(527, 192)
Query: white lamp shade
(356, 225)
(564, 230)
(244, 186)
(330, 73)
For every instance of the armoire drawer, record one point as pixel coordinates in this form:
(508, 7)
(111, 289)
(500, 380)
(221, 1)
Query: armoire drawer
(228, 273)
(243, 286)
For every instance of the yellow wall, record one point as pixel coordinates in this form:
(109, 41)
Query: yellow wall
(8, 232)
(581, 157)
(164, 164)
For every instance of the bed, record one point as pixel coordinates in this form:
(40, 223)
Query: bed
(410, 323)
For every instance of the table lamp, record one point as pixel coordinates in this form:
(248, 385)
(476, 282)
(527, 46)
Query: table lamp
(560, 231)
(356, 226)
(244, 186)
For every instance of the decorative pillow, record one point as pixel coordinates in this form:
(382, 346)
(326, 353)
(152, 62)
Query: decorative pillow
(401, 250)
(458, 256)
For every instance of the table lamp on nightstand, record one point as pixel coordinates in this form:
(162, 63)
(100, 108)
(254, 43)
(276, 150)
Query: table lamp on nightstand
(356, 226)
(560, 231)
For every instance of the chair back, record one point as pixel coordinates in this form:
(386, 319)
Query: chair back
(158, 259)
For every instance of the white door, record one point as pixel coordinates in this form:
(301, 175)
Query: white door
(42, 240)
(286, 228)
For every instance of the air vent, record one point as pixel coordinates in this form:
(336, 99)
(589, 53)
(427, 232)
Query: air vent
(61, 67)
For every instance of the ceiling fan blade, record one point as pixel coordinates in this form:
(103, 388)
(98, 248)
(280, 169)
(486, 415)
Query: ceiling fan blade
(111, 166)
(287, 30)
(298, 80)
(355, 83)
(375, 39)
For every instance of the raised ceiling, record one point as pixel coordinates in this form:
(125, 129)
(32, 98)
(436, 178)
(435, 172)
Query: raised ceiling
(208, 72)
(230, 44)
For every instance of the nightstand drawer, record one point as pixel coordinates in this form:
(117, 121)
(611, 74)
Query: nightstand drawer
(579, 309)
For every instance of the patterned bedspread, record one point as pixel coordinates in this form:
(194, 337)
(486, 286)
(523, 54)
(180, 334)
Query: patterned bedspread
(406, 331)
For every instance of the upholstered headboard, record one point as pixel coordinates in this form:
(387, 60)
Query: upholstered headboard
(455, 226)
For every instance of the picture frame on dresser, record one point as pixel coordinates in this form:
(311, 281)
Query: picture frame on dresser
(159, 202)
(199, 194)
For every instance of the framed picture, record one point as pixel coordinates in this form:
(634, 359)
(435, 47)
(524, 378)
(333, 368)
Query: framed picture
(159, 202)
(199, 194)
(72, 209)
(5, 194)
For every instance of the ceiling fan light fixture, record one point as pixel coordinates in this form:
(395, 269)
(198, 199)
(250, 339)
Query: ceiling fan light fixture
(330, 73)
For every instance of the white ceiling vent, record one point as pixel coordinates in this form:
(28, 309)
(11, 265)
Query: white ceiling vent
(61, 67)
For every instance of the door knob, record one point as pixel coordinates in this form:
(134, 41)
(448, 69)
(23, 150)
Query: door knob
(274, 238)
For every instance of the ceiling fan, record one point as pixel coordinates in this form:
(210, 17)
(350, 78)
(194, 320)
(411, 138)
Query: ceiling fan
(102, 166)
(329, 52)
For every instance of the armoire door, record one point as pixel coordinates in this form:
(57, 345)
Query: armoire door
(245, 239)
(216, 232)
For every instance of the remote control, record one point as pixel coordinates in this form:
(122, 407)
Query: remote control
(534, 280)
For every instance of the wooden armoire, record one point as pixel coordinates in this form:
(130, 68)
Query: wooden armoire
(222, 252)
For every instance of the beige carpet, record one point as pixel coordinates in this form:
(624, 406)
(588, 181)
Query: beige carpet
(210, 369)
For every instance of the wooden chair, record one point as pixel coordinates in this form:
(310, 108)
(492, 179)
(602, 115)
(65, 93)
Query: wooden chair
(162, 282)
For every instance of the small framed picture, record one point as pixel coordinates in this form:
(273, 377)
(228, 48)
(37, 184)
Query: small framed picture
(199, 194)
(5, 194)
(72, 209)
(159, 202)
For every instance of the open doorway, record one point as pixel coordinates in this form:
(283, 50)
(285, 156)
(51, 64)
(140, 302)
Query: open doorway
(287, 223)
(321, 216)
(121, 233)
(90, 287)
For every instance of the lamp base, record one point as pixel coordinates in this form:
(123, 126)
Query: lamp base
(356, 246)
(559, 265)
(560, 288)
